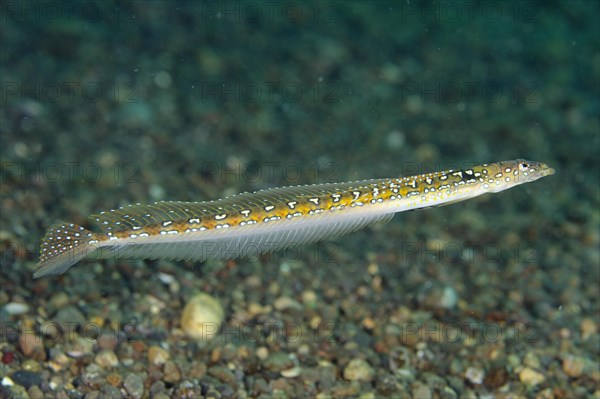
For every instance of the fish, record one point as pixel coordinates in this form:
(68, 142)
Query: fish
(268, 220)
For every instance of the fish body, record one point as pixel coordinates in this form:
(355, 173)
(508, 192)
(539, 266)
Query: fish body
(268, 220)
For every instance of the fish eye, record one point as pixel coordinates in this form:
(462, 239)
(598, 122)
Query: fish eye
(524, 165)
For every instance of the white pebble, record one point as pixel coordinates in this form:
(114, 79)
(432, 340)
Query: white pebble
(475, 375)
(202, 317)
(449, 298)
(16, 308)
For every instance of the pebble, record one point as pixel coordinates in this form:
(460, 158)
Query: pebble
(156, 191)
(33, 346)
(358, 370)
(114, 379)
(529, 376)
(309, 298)
(449, 393)
(17, 391)
(35, 393)
(573, 366)
(96, 322)
(134, 385)
(449, 298)
(59, 300)
(222, 374)
(196, 371)
(69, 317)
(16, 308)
(256, 309)
(262, 353)
(345, 390)
(172, 373)
(291, 373)
(369, 323)
(202, 317)
(157, 355)
(92, 395)
(27, 378)
(421, 391)
(475, 375)
(278, 361)
(106, 341)
(106, 358)
(285, 302)
(532, 360)
(108, 391)
(31, 365)
(156, 388)
(79, 347)
(395, 139)
(7, 382)
(588, 328)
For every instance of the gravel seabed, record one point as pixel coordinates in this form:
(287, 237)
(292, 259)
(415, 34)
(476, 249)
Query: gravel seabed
(107, 104)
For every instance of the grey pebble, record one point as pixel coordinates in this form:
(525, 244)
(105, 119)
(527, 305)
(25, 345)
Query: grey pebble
(223, 374)
(134, 385)
(27, 378)
(108, 391)
(278, 361)
(421, 391)
(156, 388)
(227, 391)
(15, 391)
(36, 393)
(69, 317)
(448, 393)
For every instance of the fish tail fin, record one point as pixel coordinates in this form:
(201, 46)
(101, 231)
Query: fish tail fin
(63, 245)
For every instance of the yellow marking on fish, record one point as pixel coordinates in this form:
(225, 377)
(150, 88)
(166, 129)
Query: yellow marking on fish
(267, 220)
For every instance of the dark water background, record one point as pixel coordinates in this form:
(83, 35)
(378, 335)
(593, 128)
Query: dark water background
(105, 104)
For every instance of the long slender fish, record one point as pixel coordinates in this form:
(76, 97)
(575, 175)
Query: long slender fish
(268, 220)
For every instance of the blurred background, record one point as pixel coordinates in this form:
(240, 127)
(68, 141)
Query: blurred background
(107, 103)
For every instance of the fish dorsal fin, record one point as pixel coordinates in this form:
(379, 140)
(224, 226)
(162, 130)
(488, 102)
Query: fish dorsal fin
(136, 215)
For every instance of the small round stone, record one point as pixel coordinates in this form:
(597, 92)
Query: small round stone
(573, 366)
(262, 353)
(358, 370)
(134, 385)
(285, 302)
(106, 358)
(114, 379)
(588, 328)
(223, 374)
(202, 317)
(27, 378)
(529, 376)
(157, 355)
(309, 298)
(291, 373)
(475, 375)
(35, 393)
(16, 308)
(33, 346)
(421, 391)
(449, 298)
(171, 372)
(278, 361)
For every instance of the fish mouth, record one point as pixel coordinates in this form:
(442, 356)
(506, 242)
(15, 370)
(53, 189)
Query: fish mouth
(543, 170)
